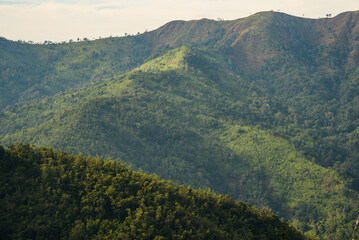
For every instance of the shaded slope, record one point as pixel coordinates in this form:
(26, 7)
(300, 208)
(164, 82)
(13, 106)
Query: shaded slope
(32, 71)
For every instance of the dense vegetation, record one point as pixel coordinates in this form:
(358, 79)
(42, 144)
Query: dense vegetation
(46, 194)
(31, 71)
(264, 109)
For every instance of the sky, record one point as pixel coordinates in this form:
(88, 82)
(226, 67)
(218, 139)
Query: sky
(62, 20)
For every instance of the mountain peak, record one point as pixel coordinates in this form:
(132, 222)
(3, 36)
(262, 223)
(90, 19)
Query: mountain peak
(171, 60)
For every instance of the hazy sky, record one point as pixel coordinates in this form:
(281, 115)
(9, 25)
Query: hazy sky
(60, 20)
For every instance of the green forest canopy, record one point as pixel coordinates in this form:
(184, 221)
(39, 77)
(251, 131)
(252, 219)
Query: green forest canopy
(47, 194)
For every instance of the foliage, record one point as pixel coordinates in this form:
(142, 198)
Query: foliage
(47, 194)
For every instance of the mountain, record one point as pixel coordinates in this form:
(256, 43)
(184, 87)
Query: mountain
(31, 71)
(261, 108)
(47, 194)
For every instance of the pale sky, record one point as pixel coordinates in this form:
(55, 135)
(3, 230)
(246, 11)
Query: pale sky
(61, 20)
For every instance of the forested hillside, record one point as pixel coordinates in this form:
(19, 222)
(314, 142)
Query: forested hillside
(264, 109)
(31, 71)
(46, 194)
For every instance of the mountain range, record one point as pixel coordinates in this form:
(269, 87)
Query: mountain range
(264, 108)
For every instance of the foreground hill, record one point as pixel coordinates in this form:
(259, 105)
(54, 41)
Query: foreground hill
(186, 117)
(47, 194)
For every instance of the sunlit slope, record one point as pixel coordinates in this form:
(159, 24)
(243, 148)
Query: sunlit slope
(299, 189)
(166, 114)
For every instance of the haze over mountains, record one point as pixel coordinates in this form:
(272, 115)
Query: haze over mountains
(264, 108)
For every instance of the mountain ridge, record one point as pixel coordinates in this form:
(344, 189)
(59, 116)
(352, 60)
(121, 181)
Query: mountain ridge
(134, 50)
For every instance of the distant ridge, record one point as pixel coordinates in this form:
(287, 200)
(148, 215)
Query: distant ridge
(80, 63)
